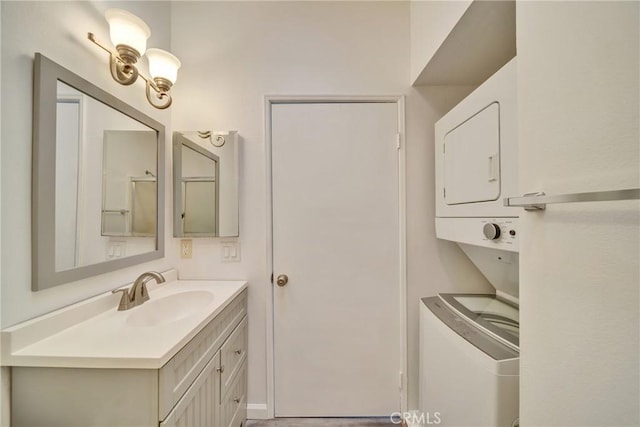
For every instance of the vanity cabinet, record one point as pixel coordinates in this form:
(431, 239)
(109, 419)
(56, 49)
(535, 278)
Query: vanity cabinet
(218, 395)
(203, 384)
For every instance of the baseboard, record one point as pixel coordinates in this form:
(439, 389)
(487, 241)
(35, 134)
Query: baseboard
(257, 411)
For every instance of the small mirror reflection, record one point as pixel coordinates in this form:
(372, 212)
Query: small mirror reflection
(205, 184)
(200, 196)
(129, 183)
(105, 182)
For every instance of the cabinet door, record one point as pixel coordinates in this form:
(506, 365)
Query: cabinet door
(232, 354)
(233, 408)
(82, 397)
(181, 371)
(472, 162)
(199, 405)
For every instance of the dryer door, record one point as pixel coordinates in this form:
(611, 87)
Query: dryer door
(472, 158)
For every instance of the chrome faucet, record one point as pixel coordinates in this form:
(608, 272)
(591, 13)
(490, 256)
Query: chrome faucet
(138, 293)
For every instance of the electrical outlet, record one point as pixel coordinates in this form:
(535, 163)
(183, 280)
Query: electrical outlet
(186, 249)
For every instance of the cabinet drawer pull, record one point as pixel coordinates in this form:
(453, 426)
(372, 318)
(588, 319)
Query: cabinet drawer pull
(220, 369)
(238, 351)
(236, 400)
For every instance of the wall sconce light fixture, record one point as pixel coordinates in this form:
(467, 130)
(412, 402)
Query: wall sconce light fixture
(129, 35)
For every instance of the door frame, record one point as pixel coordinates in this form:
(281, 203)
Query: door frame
(271, 100)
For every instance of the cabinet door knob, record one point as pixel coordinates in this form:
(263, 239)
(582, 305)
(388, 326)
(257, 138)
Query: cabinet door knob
(238, 351)
(236, 400)
(220, 369)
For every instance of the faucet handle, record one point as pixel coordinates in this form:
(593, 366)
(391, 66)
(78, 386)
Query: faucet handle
(125, 301)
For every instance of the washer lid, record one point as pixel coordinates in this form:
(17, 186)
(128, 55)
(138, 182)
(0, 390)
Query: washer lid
(499, 318)
(487, 343)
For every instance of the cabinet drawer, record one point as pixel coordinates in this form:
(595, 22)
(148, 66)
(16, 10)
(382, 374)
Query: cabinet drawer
(179, 373)
(233, 353)
(199, 405)
(233, 409)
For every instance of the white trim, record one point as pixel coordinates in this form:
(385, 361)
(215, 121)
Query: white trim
(257, 411)
(314, 99)
(402, 253)
(269, 270)
(269, 411)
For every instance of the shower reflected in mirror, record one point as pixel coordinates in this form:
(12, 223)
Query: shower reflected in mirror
(205, 167)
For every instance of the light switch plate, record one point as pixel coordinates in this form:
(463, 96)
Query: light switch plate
(230, 251)
(116, 249)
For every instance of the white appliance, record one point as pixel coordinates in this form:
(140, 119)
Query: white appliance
(477, 152)
(469, 347)
(476, 155)
(469, 360)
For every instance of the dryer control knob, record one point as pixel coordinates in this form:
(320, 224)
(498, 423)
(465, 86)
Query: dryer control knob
(491, 231)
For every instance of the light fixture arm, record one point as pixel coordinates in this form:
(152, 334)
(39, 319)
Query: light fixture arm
(122, 67)
(123, 70)
(93, 38)
(157, 92)
(123, 73)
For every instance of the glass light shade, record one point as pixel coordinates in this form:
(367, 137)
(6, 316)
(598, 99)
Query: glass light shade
(163, 64)
(127, 29)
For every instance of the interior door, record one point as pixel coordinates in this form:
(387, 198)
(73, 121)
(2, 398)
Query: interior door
(336, 234)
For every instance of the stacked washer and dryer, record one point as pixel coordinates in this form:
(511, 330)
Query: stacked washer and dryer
(469, 343)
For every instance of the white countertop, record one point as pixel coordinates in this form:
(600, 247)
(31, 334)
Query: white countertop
(94, 334)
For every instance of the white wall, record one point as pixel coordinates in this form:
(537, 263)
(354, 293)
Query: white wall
(578, 96)
(61, 35)
(434, 265)
(431, 23)
(4, 371)
(235, 53)
(59, 31)
(241, 51)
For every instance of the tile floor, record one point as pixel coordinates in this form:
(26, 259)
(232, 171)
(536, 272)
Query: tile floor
(322, 422)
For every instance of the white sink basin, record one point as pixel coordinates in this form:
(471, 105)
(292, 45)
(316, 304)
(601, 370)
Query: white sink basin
(169, 308)
(94, 334)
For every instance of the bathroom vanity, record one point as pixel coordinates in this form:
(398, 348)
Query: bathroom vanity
(179, 359)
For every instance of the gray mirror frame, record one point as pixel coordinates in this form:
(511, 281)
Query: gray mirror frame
(180, 140)
(46, 75)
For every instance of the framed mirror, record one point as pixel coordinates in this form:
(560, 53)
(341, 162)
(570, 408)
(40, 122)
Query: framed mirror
(205, 184)
(98, 180)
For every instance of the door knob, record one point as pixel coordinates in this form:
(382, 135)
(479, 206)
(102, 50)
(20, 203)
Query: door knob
(282, 280)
